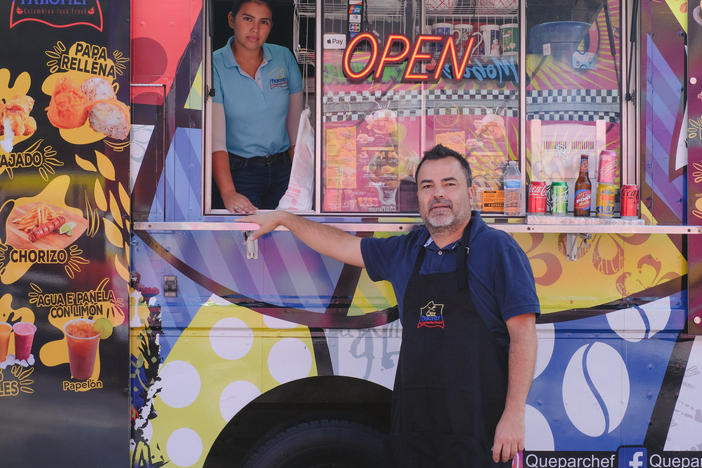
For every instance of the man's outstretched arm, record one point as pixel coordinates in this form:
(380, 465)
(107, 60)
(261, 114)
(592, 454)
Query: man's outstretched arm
(325, 239)
(509, 434)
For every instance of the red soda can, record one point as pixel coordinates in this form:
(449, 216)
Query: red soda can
(607, 167)
(630, 201)
(537, 197)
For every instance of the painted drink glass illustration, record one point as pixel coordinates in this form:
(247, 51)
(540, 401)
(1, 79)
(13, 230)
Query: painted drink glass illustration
(24, 336)
(383, 174)
(82, 342)
(5, 329)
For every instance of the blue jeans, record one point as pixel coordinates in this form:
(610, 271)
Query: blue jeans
(264, 184)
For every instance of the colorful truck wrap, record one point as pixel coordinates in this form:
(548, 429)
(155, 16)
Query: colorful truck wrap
(243, 355)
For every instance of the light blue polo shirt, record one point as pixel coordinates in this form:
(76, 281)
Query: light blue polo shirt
(256, 108)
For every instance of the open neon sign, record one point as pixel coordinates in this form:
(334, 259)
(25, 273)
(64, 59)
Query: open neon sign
(378, 61)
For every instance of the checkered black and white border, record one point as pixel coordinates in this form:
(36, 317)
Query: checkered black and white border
(415, 94)
(508, 112)
(579, 116)
(471, 94)
(359, 116)
(368, 96)
(585, 96)
(430, 111)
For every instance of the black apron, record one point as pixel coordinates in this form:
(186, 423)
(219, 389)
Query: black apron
(451, 380)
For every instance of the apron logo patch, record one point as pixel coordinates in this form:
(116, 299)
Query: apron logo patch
(431, 315)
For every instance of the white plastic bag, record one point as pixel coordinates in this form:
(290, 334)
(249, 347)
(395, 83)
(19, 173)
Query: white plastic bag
(300, 191)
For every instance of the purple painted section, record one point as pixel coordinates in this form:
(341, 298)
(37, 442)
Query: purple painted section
(663, 95)
(292, 275)
(694, 173)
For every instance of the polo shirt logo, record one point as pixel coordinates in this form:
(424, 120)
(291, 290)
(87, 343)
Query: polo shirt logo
(279, 79)
(279, 82)
(431, 316)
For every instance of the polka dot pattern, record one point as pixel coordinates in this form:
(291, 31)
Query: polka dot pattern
(226, 358)
(180, 384)
(231, 338)
(289, 360)
(235, 396)
(184, 447)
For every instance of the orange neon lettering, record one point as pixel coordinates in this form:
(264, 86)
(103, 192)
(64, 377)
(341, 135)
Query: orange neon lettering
(349, 52)
(416, 56)
(386, 58)
(458, 70)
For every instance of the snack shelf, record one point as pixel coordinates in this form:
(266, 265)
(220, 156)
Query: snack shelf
(475, 12)
(335, 8)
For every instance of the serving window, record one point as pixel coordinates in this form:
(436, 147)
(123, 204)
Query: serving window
(386, 81)
(375, 128)
(573, 88)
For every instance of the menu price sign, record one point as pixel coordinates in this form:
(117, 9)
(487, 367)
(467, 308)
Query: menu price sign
(64, 231)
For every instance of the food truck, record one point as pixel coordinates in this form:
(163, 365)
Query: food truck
(140, 327)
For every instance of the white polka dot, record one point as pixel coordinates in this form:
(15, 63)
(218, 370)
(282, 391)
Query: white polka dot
(181, 384)
(538, 434)
(235, 396)
(289, 360)
(547, 338)
(184, 447)
(274, 322)
(231, 338)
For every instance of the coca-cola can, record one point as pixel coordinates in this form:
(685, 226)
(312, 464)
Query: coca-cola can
(630, 201)
(607, 167)
(537, 197)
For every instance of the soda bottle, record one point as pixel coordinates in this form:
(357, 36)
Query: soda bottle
(513, 189)
(583, 190)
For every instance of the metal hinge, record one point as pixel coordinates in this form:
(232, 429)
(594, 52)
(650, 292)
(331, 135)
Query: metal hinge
(251, 246)
(574, 243)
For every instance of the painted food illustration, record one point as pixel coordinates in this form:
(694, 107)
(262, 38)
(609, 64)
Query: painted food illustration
(15, 120)
(383, 167)
(490, 126)
(383, 174)
(93, 101)
(382, 122)
(39, 225)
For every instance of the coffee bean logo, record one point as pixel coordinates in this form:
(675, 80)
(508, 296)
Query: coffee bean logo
(596, 389)
(637, 323)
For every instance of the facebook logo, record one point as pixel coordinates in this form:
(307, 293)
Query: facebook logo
(632, 457)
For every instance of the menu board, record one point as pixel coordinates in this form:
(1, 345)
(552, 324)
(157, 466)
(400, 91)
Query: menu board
(368, 163)
(64, 232)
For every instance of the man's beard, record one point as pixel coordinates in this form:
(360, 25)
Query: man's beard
(444, 222)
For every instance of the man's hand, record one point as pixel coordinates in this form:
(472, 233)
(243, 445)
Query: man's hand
(266, 222)
(509, 434)
(327, 240)
(238, 203)
(509, 437)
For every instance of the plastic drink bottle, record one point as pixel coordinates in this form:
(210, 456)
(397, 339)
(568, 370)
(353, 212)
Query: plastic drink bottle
(513, 189)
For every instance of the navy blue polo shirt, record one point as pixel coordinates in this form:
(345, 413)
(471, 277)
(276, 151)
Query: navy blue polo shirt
(499, 274)
(256, 107)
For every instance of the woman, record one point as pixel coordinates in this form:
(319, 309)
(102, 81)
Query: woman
(256, 110)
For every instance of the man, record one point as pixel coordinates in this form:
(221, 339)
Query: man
(467, 304)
